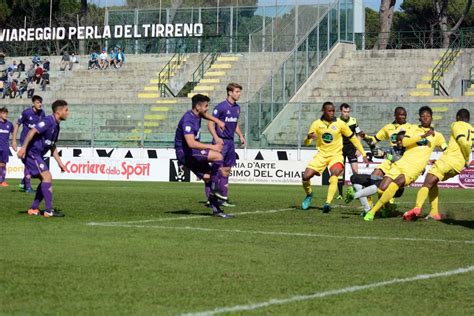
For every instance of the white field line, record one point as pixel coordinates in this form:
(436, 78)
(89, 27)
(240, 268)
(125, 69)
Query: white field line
(185, 217)
(259, 232)
(350, 289)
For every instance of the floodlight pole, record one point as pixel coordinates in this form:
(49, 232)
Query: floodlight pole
(50, 12)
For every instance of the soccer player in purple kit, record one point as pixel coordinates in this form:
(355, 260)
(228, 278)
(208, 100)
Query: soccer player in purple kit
(227, 111)
(195, 155)
(39, 140)
(6, 128)
(28, 119)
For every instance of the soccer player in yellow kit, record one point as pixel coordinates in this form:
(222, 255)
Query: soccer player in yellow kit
(389, 133)
(454, 159)
(419, 142)
(328, 132)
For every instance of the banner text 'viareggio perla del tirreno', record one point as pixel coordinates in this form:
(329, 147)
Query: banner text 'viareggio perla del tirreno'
(101, 32)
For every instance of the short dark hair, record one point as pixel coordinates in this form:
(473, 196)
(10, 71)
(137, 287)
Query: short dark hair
(199, 98)
(425, 109)
(36, 98)
(325, 104)
(232, 86)
(399, 108)
(344, 106)
(58, 104)
(463, 115)
(3, 110)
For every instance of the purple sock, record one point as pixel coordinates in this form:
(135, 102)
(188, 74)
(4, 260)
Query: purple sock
(38, 198)
(207, 188)
(214, 204)
(27, 179)
(3, 173)
(224, 185)
(46, 189)
(215, 174)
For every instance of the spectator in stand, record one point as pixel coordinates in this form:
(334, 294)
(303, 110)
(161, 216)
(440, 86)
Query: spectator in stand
(103, 62)
(93, 61)
(36, 60)
(30, 73)
(112, 58)
(12, 68)
(119, 58)
(44, 80)
(46, 64)
(1, 87)
(21, 66)
(2, 58)
(22, 88)
(74, 60)
(13, 89)
(30, 89)
(38, 74)
(65, 62)
(6, 89)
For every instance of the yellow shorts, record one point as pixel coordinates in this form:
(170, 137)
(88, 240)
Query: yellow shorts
(319, 162)
(385, 166)
(410, 171)
(443, 170)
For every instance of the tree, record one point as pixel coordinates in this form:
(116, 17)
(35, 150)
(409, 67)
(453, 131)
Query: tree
(83, 21)
(387, 7)
(443, 19)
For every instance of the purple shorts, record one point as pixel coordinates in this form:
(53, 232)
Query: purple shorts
(197, 162)
(4, 155)
(228, 152)
(35, 164)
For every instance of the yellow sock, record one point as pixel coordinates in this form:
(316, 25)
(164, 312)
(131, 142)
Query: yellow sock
(307, 187)
(386, 196)
(332, 189)
(434, 193)
(421, 197)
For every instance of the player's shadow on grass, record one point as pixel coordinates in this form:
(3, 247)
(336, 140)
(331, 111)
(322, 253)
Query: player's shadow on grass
(188, 212)
(464, 223)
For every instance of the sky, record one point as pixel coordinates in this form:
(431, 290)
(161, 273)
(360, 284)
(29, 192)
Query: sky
(374, 4)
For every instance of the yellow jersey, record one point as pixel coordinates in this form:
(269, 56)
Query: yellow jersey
(390, 131)
(458, 152)
(417, 149)
(329, 137)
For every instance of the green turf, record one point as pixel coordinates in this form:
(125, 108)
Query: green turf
(169, 267)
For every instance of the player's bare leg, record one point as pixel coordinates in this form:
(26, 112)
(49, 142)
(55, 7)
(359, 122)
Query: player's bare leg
(335, 171)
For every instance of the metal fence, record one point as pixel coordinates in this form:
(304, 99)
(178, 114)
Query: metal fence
(139, 126)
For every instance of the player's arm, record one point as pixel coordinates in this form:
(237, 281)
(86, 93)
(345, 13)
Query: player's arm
(194, 144)
(372, 140)
(214, 119)
(54, 152)
(311, 134)
(243, 141)
(15, 132)
(211, 126)
(463, 140)
(29, 137)
(410, 138)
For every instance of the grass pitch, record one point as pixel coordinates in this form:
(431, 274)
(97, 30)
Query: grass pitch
(151, 248)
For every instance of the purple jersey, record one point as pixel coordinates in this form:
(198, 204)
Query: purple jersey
(229, 114)
(190, 124)
(6, 128)
(28, 119)
(48, 132)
